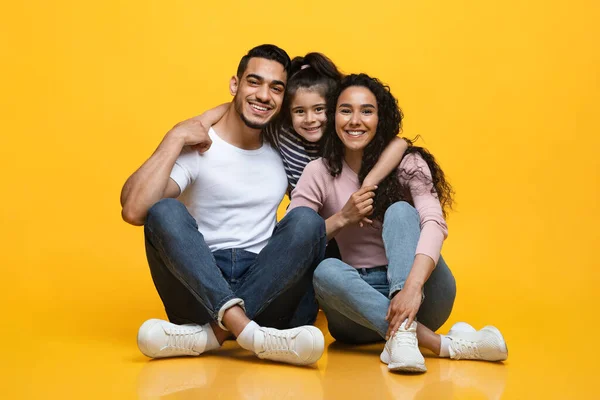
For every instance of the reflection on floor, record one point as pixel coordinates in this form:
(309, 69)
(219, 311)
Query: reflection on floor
(106, 367)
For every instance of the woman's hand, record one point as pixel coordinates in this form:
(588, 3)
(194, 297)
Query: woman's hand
(404, 306)
(358, 206)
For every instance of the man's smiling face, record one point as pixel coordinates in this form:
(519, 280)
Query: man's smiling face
(259, 92)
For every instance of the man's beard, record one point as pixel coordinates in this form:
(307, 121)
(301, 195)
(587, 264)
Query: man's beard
(252, 125)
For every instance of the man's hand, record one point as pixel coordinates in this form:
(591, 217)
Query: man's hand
(193, 133)
(404, 306)
(359, 205)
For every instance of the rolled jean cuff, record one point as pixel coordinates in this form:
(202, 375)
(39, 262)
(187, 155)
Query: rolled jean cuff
(395, 289)
(231, 303)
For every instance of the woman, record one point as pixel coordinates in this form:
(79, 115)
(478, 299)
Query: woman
(390, 272)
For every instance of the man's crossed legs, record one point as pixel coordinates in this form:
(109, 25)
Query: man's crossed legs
(209, 296)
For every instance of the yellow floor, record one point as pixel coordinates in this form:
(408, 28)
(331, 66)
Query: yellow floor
(68, 362)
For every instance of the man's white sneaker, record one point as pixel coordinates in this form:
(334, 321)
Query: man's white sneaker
(158, 339)
(485, 344)
(300, 346)
(401, 351)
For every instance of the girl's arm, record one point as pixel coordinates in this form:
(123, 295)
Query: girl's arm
(207, 119)
(212, 116)
(388, 161)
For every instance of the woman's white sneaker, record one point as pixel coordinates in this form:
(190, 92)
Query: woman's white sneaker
(401, 351)
(300, 346)
(461, 327)
(486, 344)
(158, 339)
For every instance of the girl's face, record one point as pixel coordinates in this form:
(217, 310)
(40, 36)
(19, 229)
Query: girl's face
(308, 114)
(356, 117)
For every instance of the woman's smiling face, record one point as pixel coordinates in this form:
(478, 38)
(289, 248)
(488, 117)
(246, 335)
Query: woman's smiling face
(356, 117)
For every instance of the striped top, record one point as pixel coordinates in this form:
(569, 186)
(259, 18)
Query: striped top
(296, 153)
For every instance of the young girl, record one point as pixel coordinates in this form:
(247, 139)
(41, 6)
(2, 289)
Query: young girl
(391, 272)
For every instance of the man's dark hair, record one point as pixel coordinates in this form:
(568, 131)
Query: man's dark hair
(268, 51)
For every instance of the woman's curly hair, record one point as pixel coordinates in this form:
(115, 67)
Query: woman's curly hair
(390, 190)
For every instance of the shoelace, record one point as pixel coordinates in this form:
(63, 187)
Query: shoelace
(181, 339)
(405, 338)
(464, 349)
(277, 341)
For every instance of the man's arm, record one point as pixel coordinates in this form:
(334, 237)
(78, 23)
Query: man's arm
(151, 182)
(388, 161)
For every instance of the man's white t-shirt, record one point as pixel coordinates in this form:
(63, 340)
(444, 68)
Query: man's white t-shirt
(232, 193)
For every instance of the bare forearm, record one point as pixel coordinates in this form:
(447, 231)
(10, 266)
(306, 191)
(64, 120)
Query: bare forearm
(334, 224)
(148, 184)
(388, 161)
(421, 270)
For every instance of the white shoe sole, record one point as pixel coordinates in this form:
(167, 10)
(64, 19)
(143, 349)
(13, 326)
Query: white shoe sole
(401, 367)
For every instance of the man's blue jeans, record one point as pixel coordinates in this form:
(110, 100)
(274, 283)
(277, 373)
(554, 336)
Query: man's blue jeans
(356, 301)
(197, 285)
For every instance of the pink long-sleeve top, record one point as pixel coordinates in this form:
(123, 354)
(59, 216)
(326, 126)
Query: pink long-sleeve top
(363, 247)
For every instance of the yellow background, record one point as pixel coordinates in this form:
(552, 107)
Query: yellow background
(504, 93)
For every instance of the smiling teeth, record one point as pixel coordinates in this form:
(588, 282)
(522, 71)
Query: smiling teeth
(259, 108)
(354, 133)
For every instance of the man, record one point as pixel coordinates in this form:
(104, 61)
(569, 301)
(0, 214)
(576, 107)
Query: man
(216, 262)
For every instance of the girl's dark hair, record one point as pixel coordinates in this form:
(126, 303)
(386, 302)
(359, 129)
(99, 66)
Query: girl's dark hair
(390, 190)
(314, 71)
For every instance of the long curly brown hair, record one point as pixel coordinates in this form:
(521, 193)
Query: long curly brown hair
(390, 190)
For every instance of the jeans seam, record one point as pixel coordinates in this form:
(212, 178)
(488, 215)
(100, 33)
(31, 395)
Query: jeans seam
(233, 260)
